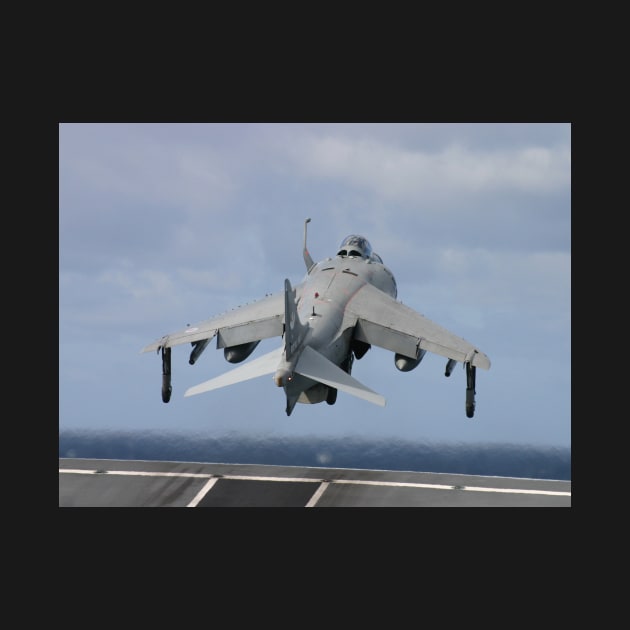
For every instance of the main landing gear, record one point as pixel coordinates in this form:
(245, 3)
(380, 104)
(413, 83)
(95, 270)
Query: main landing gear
(346, 366)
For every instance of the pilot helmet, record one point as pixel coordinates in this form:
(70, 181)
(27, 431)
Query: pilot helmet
(355, 245)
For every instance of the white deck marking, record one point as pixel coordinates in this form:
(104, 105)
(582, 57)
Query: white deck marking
(133, 473)
(315, 498)
(435, 486)
(324, 483)
(202, 493)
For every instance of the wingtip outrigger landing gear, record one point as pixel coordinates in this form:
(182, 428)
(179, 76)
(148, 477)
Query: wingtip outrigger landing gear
(166, 374)
(470, 389)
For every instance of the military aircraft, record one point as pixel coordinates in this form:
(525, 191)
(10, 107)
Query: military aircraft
(342, 307)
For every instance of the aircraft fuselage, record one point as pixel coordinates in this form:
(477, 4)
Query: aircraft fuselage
(326, 292)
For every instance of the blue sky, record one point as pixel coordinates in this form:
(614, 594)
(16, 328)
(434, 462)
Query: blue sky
(161, 225)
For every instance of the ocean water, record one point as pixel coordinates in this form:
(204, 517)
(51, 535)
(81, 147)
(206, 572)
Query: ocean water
(501, 460)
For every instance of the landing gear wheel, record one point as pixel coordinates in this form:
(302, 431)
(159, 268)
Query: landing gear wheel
(166, 393)
(346, 366)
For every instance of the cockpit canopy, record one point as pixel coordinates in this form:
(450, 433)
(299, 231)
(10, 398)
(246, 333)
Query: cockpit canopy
(355, 245)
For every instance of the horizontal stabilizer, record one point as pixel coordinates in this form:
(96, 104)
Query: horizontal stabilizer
(266, 364)
(316, 366)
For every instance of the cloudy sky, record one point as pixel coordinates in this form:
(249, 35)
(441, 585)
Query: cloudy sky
(162, 225)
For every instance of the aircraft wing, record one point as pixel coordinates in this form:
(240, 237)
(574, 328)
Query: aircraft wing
(252, 322)
(382, 321)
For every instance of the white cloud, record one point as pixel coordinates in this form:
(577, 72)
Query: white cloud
(142, 169)
(406, 175)
(138, 285)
